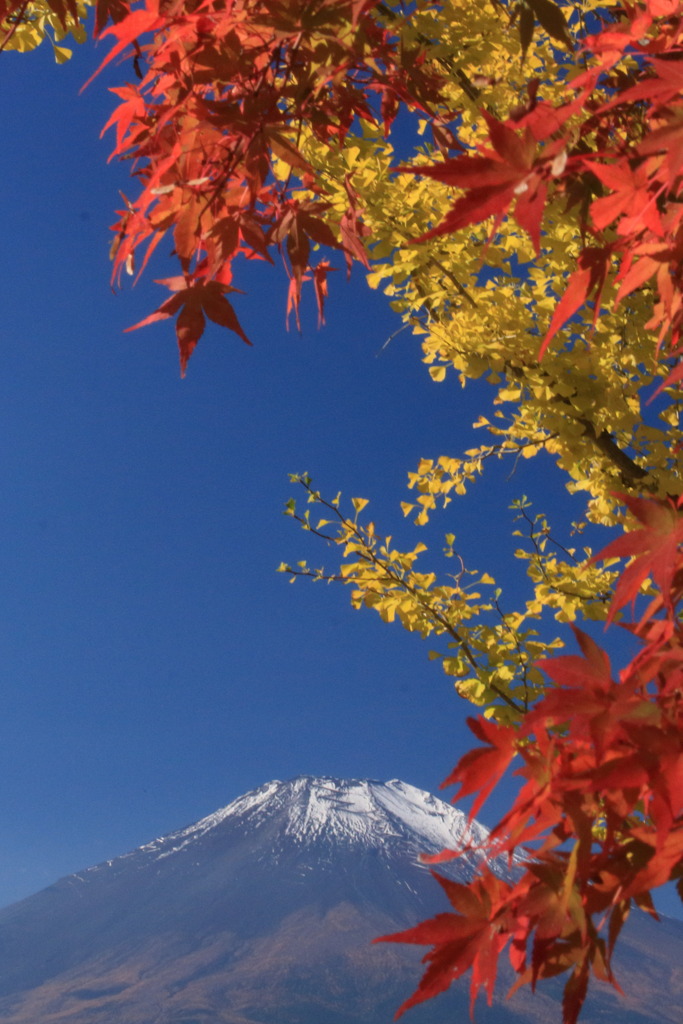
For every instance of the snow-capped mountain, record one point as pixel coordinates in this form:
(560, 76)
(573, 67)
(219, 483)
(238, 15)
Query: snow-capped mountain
(359, 813)
(264, 913)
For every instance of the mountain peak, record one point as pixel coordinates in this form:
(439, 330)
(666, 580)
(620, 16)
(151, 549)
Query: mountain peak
(331, 811)
(368, 812)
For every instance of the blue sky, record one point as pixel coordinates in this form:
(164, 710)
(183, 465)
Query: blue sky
(154, 664)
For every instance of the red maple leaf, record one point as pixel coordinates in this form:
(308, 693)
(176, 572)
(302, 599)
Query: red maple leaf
(586, 281)
(472, 937)
(193, 303)
(655, 547)
(479, 770)
(496, 179)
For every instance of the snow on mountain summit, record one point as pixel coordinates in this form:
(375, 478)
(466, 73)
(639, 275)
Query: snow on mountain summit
(370, 813)
(354, 813)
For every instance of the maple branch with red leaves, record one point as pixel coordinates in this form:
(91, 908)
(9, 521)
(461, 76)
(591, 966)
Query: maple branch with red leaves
(600, 813)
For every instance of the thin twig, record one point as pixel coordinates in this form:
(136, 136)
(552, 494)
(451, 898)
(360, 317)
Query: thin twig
(369, 556)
